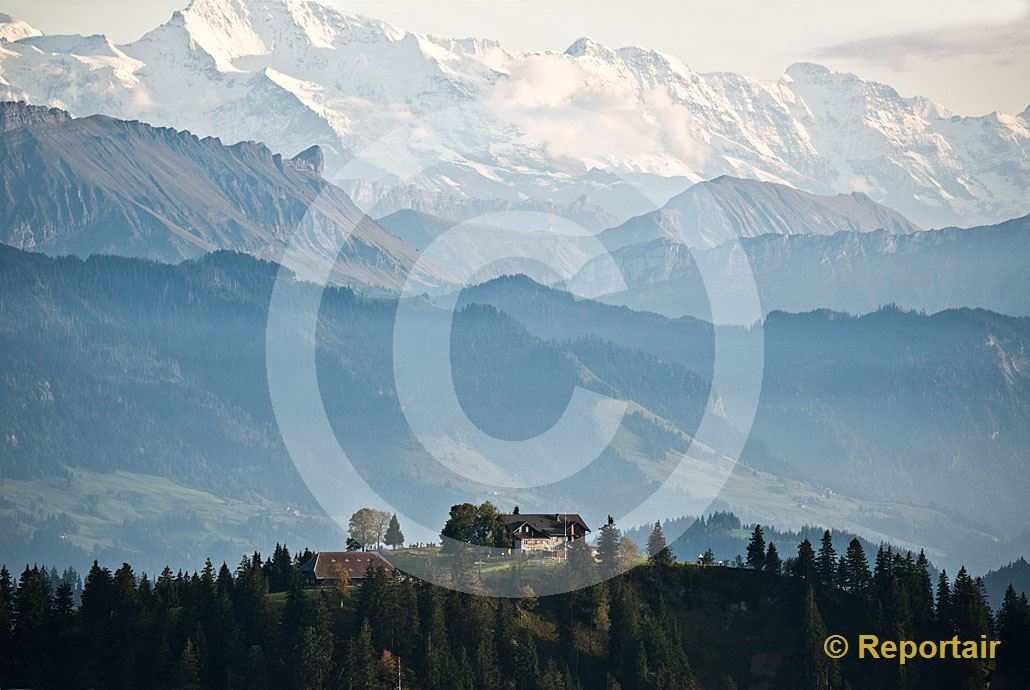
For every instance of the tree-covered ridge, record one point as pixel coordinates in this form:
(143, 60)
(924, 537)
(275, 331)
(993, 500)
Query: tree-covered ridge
(661, 625)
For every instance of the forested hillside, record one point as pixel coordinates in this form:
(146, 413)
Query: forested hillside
(661, 625)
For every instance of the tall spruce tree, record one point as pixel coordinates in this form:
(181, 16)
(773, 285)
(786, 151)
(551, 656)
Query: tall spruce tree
(826, 563)
(943, 617)
(756, 549)
(772, 560)
(608, 549)
(1013, 629)
(804, 564)
(394, 536)
(922, 597)
(816, 671)
(972, 618)
(658, 551)
(856, 568)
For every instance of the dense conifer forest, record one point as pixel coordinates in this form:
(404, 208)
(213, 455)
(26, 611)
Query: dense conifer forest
(662, 625)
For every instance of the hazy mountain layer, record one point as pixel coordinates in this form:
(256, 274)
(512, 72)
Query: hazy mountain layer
(710, 213)
(870, 406)
(116, 365)
(847, 271)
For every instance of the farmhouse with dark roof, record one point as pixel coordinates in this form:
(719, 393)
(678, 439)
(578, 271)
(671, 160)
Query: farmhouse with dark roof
(545, 534)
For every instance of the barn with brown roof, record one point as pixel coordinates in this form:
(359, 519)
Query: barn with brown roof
(325, 567)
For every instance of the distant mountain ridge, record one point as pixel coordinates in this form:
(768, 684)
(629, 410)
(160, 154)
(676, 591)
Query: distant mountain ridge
(854, 272)
(293, 74)
(97, 185)
(709, 213)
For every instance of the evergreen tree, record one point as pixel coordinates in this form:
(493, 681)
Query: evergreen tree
(772, 560)
(486, 665)
(627, 660)
(883, 575)
(361, 659)
(922, 597)
(826, 563)
(6, 589)
(31, 626)
(63, 649)
(316, 648)
(207, 579)
(438, 661)
(944, 620)
(582, 567)
(394, 537)
(816, 670)
(279, 568)
(527, 660)
(657, 548)
(188, 675)
(224, 582)
(1014, 633)
(756, 549)
(804, 564)
(6, 612)
(968, 607)
(256, 675)
(972, 618)
(856, 568)
(608, 549)
(841, 580)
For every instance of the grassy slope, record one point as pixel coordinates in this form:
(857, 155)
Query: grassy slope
(113, 515)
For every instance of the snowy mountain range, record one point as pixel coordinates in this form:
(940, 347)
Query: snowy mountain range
(437, 123)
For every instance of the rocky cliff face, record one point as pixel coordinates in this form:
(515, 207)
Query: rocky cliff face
(20, 114)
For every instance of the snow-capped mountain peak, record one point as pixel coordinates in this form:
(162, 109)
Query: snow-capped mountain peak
(295, 73)
(584, 45)
(12, 29)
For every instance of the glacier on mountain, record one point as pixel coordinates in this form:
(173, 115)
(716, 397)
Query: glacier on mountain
(470, 121)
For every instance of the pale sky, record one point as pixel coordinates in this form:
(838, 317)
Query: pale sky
(972, 56)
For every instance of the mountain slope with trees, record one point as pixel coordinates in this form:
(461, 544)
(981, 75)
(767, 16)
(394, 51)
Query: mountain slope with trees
(661, 626)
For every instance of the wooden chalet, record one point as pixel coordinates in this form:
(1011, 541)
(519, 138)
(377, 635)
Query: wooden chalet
(325, 567)
(544, 534)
